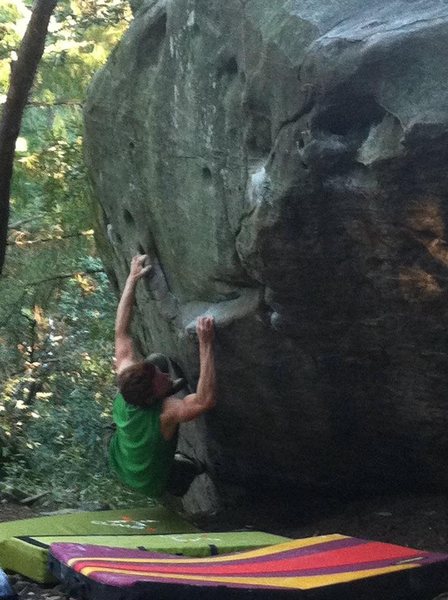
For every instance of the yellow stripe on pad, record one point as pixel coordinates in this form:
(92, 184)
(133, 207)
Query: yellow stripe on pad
(260, 552)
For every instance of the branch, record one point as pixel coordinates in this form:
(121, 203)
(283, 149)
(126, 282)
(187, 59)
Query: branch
(65, 276)
(33, 337)
(43, 104)
(24, 221)
(38, 104)
(24, 369)
(21, 80)
(56, 238)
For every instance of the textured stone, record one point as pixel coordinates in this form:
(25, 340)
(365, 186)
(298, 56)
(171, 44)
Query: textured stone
(285, 163)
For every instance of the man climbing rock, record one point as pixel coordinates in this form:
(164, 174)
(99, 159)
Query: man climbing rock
(147, 412)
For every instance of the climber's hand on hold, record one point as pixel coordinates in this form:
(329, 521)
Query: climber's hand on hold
(138, 267)
(205, 329)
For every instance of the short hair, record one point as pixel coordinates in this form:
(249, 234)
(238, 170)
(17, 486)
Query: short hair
(135, 384)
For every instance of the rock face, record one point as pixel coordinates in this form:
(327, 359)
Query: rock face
(286, 165)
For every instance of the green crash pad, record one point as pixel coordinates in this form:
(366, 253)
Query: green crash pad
(24, 544)
(133, 522)
(28, 555)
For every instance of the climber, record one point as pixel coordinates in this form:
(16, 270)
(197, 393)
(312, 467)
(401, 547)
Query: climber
(147, 411)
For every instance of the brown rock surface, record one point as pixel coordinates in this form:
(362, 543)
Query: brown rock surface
(286, 165)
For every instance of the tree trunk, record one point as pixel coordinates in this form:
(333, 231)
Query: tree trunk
(21, 80)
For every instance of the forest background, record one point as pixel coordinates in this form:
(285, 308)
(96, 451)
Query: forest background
(57, 307)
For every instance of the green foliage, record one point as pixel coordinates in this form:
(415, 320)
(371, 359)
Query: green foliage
(10, 16)
(57, 309)
(84, 14)
(55, 174)
(63, 452)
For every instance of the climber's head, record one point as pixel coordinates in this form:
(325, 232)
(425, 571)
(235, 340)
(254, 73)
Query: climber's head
(142, 384)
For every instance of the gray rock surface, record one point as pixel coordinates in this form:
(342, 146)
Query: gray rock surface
(285, 163)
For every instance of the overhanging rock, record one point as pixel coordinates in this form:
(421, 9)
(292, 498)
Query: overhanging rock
(285, 164)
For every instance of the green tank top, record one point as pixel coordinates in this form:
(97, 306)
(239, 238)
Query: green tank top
(138, 452)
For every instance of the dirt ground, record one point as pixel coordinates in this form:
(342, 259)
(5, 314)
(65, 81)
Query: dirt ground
(419, 521)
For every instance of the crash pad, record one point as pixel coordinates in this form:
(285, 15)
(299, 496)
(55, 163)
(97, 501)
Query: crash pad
(325, 567)
(6, 591)
(28, 555)
(22, 558)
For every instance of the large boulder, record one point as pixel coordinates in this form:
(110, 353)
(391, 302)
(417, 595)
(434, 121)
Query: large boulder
(285, 163)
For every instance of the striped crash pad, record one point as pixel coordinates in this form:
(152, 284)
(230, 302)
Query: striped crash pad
(326, 567)
(20, 554)
(6, 591)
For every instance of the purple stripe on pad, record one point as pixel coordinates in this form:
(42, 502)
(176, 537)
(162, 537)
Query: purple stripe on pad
(66, 551)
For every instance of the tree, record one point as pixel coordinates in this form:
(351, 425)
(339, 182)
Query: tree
(21, 80)
(57, 308)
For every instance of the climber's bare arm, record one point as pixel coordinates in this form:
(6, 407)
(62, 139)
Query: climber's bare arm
(124, 349)
(177, 411)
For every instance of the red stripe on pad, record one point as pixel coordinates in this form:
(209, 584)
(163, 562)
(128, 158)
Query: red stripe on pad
(364, 553)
